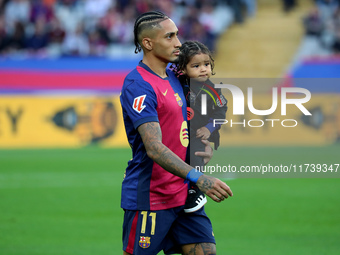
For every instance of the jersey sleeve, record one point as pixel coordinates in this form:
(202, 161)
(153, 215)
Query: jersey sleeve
(139, 102)
(219, 111)
(221, 107)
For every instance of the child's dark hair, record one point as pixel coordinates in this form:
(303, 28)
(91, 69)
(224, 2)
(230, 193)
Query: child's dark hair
(146, 21)
(188, 50)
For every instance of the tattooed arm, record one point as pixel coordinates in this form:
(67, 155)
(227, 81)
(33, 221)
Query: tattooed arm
(158, 152)
(152, 138)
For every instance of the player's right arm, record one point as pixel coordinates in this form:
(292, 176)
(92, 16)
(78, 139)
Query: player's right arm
(151, 135)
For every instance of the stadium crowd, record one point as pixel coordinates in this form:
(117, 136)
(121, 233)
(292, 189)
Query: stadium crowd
(322, 25)
(105, 27)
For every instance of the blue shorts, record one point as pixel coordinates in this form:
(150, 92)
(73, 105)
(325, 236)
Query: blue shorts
(149, 232)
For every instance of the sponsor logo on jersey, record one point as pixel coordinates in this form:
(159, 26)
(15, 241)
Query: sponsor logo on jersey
(138, 103)
(190, 113)
(179, 100)
(184, 134)
(144, 242)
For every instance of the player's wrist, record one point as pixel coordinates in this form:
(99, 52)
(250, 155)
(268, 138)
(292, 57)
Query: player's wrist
(193, 175)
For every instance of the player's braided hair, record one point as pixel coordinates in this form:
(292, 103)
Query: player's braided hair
(146, 20)
(188, 50)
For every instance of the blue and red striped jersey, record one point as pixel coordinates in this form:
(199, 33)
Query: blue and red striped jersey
(146, 97)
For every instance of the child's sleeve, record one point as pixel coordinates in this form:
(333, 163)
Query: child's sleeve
(219, 111)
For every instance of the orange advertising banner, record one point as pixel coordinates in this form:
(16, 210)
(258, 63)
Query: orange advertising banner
(60, 122)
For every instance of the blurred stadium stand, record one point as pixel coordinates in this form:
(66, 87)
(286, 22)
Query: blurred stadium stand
(101, 27)
(250, 38)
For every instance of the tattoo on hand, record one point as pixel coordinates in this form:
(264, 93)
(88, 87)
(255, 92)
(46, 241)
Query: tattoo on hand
(206, 184)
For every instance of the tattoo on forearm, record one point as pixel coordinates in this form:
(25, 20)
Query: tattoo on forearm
(152, 138)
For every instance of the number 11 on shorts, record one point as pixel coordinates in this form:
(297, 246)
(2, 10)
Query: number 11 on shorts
(153, 221)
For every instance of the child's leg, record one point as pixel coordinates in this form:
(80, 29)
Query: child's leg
(196, 199)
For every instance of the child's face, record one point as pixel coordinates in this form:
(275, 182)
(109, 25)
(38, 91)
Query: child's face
(199, 67)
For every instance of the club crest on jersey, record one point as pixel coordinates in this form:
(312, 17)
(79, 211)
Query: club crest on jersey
(138, 103)
(144, 242)
(179, 100)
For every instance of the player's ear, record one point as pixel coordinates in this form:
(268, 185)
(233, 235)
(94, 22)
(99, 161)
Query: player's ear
(147, 43)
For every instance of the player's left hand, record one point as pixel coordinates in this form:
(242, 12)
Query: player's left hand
(214, 188)
(207, 153)
(203, 133)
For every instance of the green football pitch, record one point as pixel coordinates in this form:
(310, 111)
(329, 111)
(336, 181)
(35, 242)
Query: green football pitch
(67, 202)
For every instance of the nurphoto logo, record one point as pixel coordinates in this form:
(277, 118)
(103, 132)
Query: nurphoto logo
(238, 106)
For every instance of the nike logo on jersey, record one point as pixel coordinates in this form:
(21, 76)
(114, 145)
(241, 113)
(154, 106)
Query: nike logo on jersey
(138, 103)
(164, 93)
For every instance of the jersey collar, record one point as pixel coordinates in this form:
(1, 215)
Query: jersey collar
(141, 64)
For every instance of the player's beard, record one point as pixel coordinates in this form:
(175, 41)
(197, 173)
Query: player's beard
(171, 59)
(175, 59)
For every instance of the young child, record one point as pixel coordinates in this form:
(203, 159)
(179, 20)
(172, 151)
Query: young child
(194, 68)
